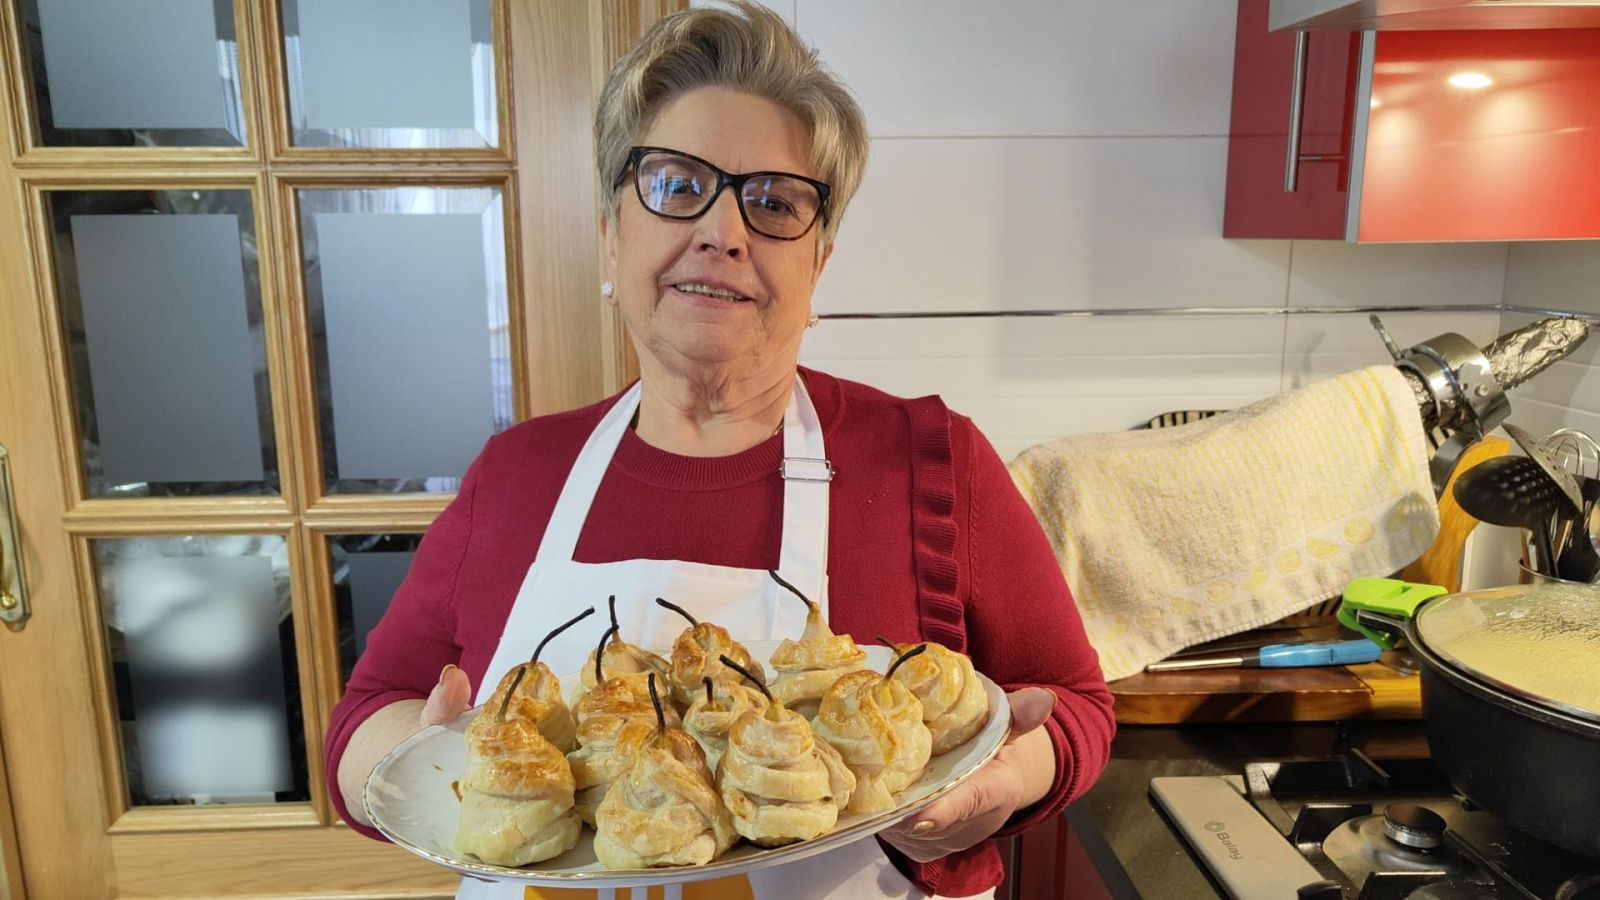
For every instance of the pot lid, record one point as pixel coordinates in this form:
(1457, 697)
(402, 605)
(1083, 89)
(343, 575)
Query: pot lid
(1540, 642)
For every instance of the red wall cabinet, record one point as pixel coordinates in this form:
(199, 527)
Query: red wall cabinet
(1414, 135)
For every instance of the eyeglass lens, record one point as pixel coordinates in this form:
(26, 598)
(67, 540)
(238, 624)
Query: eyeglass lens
(775, 205)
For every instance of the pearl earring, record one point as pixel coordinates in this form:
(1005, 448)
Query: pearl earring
(607, 289)
(812, 322)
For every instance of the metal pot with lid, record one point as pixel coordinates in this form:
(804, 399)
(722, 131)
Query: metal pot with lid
(1511, 700)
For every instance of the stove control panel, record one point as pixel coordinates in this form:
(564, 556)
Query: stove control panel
(1245, 854)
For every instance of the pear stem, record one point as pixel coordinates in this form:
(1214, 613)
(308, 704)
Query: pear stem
(884, 641)
(560, 628)
(510, 692)
(600, 652)
(677, 609)
(916, 651)
(661, 719)
(810, 606)
(710, 697)
(747, 676)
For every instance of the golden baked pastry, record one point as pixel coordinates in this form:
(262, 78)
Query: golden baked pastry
(516, 792)
(612, 725)
(623, 660)
(663, 811)
(875, 723)
(805, 669)
(537, 695)
(713, 712)
(780, 783)
(697, 653)
(954, 704)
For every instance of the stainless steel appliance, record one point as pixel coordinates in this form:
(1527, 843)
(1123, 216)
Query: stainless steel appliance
(1353, 828)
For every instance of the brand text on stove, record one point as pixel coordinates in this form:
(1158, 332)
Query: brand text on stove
(1221, 831)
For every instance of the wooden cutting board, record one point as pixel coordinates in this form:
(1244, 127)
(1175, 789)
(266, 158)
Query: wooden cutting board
(1312, 694)
(1441, 564)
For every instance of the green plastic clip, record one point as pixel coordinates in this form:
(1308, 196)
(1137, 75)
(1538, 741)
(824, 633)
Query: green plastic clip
(1389, 596)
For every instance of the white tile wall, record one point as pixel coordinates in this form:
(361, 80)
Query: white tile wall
(1333, 273)
(1561, 275)
(1321, 346)
(1058, 223)
(1031, 67)
(1027, 380)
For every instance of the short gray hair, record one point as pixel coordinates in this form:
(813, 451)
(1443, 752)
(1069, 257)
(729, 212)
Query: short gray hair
(741, 46)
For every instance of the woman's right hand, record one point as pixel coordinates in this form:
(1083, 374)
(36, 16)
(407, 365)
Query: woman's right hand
(449, 698)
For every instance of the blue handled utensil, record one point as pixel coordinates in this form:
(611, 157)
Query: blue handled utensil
(1282, 656)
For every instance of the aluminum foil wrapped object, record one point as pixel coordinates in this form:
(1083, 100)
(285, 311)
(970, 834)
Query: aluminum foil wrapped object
(1514, 358)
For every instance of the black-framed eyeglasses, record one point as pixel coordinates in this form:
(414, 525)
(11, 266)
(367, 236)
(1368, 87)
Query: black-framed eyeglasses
(675, 185)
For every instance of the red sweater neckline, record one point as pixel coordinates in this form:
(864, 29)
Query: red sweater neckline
(665, 469)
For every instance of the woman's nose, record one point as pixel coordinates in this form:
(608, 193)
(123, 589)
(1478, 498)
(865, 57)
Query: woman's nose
(721, 228)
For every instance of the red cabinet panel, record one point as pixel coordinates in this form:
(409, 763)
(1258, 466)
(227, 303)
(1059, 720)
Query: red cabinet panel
(1258, 206)
(1516, 159)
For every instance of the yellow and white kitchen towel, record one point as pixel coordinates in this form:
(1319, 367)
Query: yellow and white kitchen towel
(1171, 537)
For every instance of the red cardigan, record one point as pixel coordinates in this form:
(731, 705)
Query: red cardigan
(928, 540)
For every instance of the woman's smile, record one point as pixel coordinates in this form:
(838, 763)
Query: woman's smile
(706, 293)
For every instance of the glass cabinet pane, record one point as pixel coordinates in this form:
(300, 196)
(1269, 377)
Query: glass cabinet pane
(406, 290)
(160, 301)
(202, 649)
(391, 73)
(367, 570)
(162, 73)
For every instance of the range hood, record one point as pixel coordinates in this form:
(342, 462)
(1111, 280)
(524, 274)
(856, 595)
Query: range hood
(1428, 15)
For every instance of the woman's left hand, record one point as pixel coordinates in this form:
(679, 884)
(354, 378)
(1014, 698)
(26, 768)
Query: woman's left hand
(979, 806)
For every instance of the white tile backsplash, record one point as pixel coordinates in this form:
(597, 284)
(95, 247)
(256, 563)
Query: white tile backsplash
(1026, 380)
(1321, 346)
(1065, 223)
(1563, 275)
(1031, 67)
(1334, 273)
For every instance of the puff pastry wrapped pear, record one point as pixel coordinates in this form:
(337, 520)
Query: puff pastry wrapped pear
(875, 723)
(780, 782)
(612, 725)
(535, 695)
(697, 655)
(805, 669)
(623, 660)
(663, 811)
(516, 792)
(954, 704)
(712, 714)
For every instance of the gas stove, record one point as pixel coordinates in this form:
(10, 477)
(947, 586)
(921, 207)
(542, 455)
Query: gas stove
(1354, 828)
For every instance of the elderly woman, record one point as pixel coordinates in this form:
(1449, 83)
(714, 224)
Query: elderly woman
(727, 156)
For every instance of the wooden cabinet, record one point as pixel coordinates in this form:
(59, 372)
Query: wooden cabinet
(1413, 135)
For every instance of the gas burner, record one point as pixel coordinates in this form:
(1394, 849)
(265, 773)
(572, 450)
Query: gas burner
(1395, 829)
(1363, 845)
(1413, 826)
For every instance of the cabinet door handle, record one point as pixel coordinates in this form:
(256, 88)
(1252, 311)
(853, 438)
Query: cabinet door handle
(13, 587)
(1297, 102)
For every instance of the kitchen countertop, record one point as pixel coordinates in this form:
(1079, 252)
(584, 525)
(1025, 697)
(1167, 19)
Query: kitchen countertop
(1135, 851)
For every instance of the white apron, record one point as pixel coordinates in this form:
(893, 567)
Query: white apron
(745, 601)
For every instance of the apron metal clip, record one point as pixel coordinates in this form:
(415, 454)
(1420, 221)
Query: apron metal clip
(805, 468)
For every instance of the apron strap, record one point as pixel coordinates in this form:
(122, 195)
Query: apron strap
(806, 472)
(583, 482)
